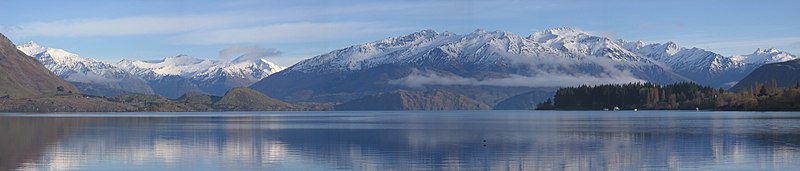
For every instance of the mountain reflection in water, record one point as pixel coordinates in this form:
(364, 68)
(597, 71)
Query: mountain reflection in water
(419, 140)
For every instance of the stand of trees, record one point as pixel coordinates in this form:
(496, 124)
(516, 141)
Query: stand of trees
(761, 98)
(680, 96)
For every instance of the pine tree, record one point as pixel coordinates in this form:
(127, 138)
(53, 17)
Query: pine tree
(762, 91)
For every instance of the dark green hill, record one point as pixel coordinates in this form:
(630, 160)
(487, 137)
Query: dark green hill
(783, 74)
(246, 99)
(414, 100)
(524, 101)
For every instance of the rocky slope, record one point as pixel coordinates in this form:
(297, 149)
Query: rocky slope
(414, 100)
(23, 76)
(783, 74)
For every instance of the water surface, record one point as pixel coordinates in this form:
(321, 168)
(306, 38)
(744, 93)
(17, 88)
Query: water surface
(408, 140)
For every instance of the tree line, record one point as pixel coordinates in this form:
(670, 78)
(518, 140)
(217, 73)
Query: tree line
(678, 96)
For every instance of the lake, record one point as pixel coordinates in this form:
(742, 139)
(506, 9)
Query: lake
(403, 140)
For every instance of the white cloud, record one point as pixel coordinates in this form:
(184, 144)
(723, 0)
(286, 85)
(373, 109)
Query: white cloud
(247, 53)
(126, 26)
(421, 79)
(285, 33)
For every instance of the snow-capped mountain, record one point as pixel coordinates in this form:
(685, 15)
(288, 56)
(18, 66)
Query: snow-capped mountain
(706, 67)
(765, 56)
(493, 51)
(180, 65)
(552, 58)
(89, 75)
(210, 76)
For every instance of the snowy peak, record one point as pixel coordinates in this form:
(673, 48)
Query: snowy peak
(766, 51)
(562, 32)
(201, 69)
(258, 68)
(671, 48)
(416, 38)
(765, 56)
(98, 78)
(31, 48)
(63, 63)
(631, 45)
(480, 48)
(557, 34)
(210, 76)
(665, 49)
(183, 60)
(499, 49)
(180, 65)
(35, 50)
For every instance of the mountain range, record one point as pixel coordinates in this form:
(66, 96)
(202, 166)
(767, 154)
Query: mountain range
(170, 77)
(490, 66)
(486, 66)
(89, 75)
(177, 75)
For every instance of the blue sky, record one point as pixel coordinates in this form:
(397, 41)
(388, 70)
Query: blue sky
(299, 29)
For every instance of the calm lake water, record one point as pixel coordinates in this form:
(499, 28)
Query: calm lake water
(409, 140)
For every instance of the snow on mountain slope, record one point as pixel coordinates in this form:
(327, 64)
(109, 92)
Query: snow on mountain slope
(561, 51)
(200, 69)
(574, 41)
(479, 47)
(250, 70)
(95, 77)
(180, 65)
(211, 76)
(549, 58)
(486, 65)
(687, 59)
(765, 56)
(704, 66)
(69, 65)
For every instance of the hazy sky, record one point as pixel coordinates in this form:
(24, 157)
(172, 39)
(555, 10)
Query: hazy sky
(298, 29)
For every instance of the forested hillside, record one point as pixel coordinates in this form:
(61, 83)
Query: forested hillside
(684, 96)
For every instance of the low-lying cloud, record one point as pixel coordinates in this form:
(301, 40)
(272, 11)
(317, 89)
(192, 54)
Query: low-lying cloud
(419, 79)
(247, 53)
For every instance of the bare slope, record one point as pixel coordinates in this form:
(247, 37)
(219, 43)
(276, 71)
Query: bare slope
(23, 76)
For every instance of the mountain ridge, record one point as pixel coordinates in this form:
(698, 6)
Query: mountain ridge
(550, 58)
(89, 75)
(209, 76)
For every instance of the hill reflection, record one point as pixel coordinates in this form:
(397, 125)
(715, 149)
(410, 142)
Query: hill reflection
(401, 141)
